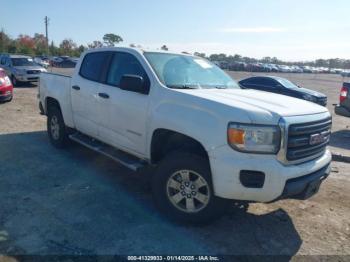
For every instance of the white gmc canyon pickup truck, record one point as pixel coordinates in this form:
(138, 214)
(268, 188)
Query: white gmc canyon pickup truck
(208, 139)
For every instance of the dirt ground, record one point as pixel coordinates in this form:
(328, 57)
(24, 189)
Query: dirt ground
(75, 201)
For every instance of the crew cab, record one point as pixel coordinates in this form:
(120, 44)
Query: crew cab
(208, 140)
(343, 108)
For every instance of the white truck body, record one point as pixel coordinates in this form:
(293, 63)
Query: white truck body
(128, 121)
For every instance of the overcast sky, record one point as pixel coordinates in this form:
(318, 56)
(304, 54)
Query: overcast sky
(291, 30)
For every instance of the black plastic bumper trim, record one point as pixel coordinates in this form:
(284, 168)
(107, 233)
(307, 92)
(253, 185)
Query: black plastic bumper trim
(305, 186)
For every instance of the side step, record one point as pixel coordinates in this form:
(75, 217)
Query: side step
(119, 156)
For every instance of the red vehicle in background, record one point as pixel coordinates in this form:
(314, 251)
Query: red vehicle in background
(6, 88)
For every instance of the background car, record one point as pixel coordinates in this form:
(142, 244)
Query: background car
(21, 68)
(42, 61)
(283, 86)
(343, 109)
(6, 88)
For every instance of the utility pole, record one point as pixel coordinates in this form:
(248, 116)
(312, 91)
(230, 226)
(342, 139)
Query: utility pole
(47, 35)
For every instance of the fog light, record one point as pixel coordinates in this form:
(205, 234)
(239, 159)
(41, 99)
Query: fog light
(252, 179)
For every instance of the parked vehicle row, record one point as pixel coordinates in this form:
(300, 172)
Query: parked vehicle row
(268, 67)
(209, 140)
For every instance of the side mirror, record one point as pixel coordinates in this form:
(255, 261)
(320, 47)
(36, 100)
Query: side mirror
(134, 83)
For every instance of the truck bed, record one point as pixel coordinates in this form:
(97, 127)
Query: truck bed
(58, 87)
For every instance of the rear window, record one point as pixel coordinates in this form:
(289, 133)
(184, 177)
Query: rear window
(93, 65)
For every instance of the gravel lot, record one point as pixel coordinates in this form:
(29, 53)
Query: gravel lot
(75, 201)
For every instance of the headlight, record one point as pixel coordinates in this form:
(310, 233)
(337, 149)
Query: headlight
(309, 98)
(20, 71)
(254, 138)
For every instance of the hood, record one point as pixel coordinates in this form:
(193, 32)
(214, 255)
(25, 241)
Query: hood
(261, 107)
(309, 92)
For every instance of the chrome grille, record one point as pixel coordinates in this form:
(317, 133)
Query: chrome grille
(300, 144)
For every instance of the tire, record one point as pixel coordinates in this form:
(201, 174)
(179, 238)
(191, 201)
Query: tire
(56, 128)
(10, 99)
(14, 81)
(169, 185)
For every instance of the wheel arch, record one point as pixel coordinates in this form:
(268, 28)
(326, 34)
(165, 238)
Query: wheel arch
(165, 141)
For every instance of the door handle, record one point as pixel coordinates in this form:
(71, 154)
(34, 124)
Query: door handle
(103, 95)
(76, 87)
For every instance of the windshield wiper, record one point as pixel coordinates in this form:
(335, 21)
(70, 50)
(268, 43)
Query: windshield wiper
(183, 86)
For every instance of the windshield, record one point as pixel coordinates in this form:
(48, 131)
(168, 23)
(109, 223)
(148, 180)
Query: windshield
(286, 83)
(22, 62)
(182, 71)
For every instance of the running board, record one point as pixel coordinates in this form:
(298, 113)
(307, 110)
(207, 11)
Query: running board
(119, 156)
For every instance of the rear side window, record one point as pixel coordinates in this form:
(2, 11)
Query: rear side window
(93, 65)
(124, 64)
(251, 81)
(268, 82)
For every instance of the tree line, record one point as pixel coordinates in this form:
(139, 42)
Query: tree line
(37, 45)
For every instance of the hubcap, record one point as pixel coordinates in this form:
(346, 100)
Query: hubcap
(55, 128)
(188, 191)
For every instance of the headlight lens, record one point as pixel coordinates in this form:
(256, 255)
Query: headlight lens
(254, 138)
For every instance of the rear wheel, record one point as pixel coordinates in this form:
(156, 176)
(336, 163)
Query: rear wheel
(182, 188)
(56, 128)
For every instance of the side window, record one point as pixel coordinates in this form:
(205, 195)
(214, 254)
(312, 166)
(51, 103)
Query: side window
(3, 60)
(93, 65)
(253, 81)
(268, 83)
(124, 64)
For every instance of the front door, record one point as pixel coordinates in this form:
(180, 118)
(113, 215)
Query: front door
(126, 112)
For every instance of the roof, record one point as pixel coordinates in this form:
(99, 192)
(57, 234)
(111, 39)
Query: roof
(135, 49)
(19, 56)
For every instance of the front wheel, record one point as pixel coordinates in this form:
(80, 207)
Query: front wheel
(182, 188)
(14, 81)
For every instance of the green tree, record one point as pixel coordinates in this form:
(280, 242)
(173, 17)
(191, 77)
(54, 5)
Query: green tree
(95, 44)
(112, 39)
(4, 41)
(67, 47)
(200, 54)
(164, 47)
(40, 44)
(25, 44)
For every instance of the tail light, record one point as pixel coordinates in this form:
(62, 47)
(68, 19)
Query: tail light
(4, 80)
(343, 94)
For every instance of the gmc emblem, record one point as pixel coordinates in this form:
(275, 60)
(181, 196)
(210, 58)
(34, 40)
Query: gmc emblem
(319, 138)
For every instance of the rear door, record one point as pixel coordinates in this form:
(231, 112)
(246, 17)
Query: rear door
(124, 124)
(84, 90)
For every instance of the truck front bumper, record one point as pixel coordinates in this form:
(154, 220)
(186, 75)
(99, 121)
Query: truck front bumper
(341, 110)
(280, 181)
(306, 186)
